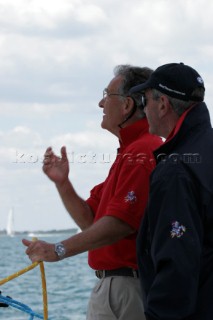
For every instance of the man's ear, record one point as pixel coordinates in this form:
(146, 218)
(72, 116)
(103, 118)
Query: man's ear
(128, 105)
(164, 106)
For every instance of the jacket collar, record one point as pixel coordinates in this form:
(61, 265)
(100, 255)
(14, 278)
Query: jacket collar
(197, 116)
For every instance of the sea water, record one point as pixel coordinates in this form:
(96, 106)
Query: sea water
(69, 282)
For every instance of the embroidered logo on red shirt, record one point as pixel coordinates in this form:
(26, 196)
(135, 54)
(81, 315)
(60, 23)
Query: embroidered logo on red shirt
(177, 230)
(131, 197)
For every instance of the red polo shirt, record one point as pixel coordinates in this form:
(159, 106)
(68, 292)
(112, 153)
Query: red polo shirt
(124, 194)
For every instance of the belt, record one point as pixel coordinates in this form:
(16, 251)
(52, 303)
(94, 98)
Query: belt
(125, 272)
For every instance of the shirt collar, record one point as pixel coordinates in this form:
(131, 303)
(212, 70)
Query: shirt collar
(132, 132)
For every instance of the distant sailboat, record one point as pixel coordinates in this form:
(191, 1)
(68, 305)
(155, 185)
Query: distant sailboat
(10, 223)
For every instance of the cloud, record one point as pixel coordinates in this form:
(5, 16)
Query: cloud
(20, 136)
(43, 18)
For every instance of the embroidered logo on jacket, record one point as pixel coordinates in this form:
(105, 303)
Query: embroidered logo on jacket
(177, 230)
(131, 197)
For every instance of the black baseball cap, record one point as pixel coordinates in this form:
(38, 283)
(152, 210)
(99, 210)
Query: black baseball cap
(177, 80)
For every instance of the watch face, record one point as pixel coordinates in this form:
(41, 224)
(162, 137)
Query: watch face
(60, 250)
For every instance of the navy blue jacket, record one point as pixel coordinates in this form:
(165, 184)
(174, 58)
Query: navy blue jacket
(175, 241)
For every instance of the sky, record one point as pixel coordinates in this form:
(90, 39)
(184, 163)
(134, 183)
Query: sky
(56, 57)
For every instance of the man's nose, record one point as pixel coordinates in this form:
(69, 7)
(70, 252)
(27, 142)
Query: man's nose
(101, 103)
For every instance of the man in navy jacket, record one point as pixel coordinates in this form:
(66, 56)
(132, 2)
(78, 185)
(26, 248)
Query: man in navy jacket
(175, 241)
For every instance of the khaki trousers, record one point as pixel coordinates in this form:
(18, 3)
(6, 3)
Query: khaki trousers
(116, 298)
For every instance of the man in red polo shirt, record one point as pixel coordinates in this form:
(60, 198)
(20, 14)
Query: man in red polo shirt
(110, 218)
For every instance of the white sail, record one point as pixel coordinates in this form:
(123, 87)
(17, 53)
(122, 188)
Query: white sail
(10, 223)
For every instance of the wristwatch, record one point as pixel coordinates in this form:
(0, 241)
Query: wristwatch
(60, 250)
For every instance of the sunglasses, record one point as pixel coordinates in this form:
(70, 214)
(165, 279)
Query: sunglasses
(143, 100)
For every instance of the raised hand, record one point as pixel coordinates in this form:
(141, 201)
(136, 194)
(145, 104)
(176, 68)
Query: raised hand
(55, 167)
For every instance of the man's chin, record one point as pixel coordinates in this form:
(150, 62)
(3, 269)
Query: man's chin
(103, 126)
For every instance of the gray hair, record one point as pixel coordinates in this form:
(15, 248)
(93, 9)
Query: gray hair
(180, 106)
(132, 76)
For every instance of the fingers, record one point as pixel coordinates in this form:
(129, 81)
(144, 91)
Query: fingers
(29, 244)
(49, 149)
(51, 160)
(63, 153)
(31, 251)
(26, 242)
(48, 155)
(34, 258)
(40, 250)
